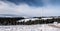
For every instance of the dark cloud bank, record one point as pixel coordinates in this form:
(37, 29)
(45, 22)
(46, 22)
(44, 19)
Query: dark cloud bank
(33, 2)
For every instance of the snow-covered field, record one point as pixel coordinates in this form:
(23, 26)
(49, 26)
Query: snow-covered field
(41, 27)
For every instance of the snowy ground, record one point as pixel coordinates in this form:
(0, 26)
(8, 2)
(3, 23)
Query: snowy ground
(42, 27)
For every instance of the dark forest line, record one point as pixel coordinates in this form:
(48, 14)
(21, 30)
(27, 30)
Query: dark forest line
(13, 21)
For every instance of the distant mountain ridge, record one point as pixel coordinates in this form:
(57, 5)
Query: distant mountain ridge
(12, 15)
(9, 15)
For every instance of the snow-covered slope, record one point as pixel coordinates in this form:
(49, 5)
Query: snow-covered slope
(41, 27)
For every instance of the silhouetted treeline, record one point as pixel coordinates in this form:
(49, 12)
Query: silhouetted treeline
(9, 21)
(40, 21)
(13, 21)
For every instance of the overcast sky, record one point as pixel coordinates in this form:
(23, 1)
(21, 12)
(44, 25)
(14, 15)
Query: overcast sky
(30, 7)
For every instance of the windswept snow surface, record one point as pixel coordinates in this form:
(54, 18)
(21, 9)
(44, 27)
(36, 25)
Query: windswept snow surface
(41, 27)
